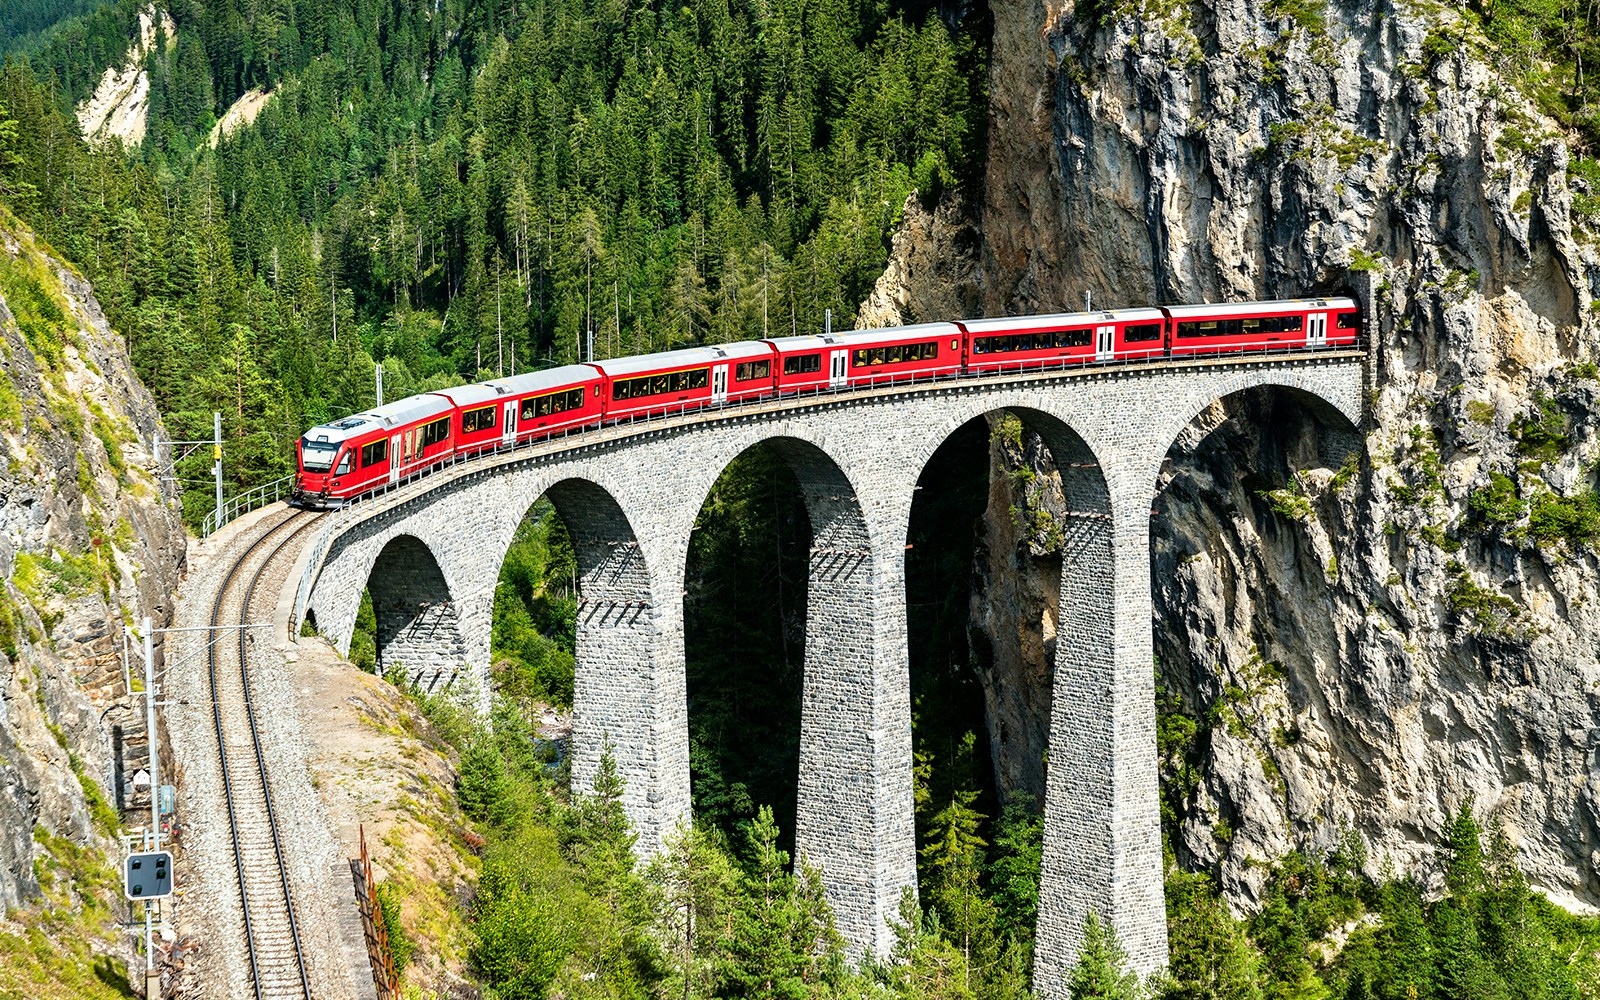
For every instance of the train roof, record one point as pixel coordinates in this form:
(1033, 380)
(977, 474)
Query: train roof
(884, 334)
(519, 385)
(395, 414)
(1262, 308)
(1053, 320)
(687, 357)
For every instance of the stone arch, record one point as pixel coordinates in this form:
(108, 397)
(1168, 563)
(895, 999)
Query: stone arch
(418, 622)
(1336, 404)
(616, 687)
(1101, 822)
(1236, 582)
(849, 815)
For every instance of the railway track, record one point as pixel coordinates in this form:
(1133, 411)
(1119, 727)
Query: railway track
(272, 934)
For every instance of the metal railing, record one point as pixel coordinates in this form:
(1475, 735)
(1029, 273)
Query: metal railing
(244, 503)
(557, 443)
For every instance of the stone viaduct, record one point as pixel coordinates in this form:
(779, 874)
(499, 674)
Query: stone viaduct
(431, 555)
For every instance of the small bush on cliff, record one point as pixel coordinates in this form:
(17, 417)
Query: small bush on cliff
(1574, 520)
(1542, 434)
(1497, 503)
(1487, 610)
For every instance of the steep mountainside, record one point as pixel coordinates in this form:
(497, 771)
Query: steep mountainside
(87, 541)
(1364, 641)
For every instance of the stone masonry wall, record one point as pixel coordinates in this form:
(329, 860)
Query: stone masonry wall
(630, 498)
(419, 632)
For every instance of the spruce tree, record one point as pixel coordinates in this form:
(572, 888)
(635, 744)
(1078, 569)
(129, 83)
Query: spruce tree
(1101, 971)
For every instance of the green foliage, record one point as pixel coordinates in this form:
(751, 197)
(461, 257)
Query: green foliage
(482, 785)
(1306, 14)
(744, 640)
(1364, 261)
(1211, 956)
(1016, 853)
(1574, 520)
(401, 947)
(443, 188)
(9, 615)
(1290, 502)
(1486, 610)
(1498, 502)
(25, 287)
(535, 611)
(779, 921)
(364, 638)
(1542, 434)
(1480, 412)
(1544, 48)
(1101, 971)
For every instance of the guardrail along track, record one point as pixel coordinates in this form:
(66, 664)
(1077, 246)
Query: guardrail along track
(277, 965)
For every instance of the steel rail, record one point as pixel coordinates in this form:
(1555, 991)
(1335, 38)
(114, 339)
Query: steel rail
(222, 754)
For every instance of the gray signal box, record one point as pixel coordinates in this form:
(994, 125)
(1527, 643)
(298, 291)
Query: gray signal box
(148, 875)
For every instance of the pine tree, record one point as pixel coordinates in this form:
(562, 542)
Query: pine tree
(783, 940)
(482, 786)
(1101, 971)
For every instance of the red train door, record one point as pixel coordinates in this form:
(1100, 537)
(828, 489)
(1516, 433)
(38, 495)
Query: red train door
(509, 425)
(719, 383)
(1317, 330)
(394, 458)
(1105, 338)
(836, 373)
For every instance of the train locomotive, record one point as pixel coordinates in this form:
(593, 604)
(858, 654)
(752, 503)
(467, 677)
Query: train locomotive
(346, 458)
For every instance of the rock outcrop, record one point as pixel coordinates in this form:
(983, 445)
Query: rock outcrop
(119, 108)
(88, 540)
(1371, 628)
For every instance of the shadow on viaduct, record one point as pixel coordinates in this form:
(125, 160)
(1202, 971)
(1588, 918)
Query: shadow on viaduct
(431, 560)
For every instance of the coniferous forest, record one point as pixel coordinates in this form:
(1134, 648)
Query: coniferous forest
(463, 188)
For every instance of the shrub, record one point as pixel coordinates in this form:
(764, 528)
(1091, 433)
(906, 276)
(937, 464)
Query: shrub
(1575, 520)
(1498, 502)
(1488, 610)
(1542, 433)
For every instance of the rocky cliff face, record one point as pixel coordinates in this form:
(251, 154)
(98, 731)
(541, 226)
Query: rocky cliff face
(87, 542)
(1367, 641)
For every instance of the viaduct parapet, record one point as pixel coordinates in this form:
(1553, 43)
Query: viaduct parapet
(431, 556)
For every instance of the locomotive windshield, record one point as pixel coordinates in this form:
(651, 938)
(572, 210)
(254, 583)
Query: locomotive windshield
(317, 456)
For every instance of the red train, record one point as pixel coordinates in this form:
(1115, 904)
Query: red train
(348, 457)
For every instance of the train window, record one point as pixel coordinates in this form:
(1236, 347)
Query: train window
(556, 402)
(1349, 321)
(436, 432)
(377, 451)
(481, 419)
(802, 364)
(1141, 332)
(752, 370)
(1282, 324)
(859, 359)
(316, 456)
(1210, 328)
(344, 463)
(649, 385)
